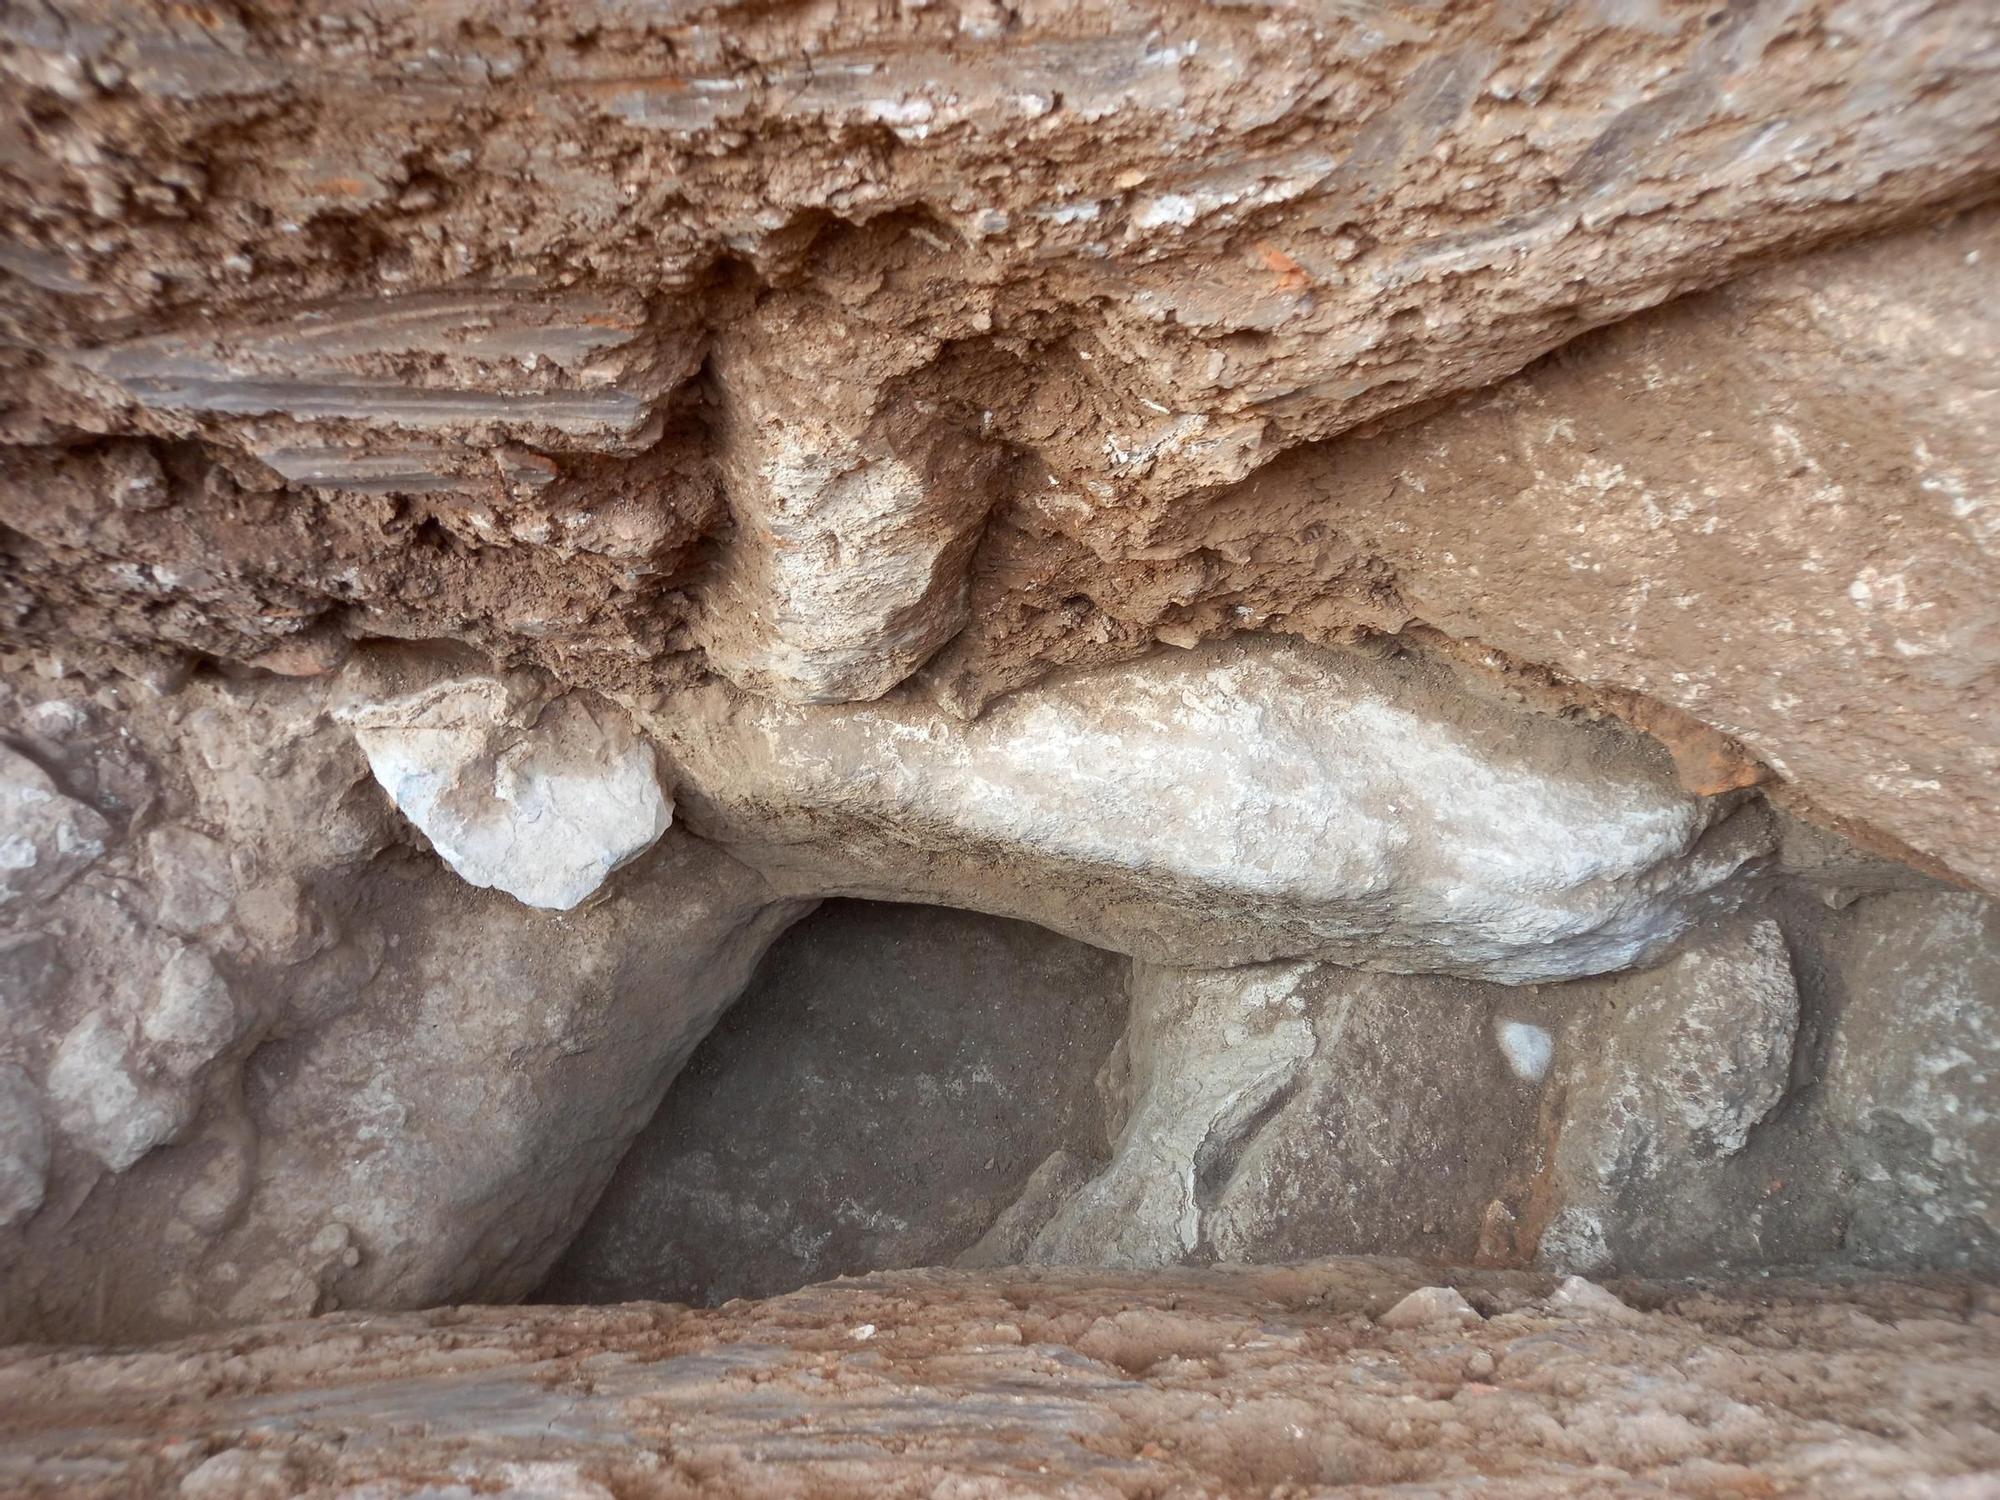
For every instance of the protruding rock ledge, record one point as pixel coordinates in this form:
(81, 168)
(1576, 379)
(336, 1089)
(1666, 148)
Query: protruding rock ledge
(1246, 802)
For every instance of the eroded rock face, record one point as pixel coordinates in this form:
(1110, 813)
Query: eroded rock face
(1737, 1105)
(437, 443)
(858, 505)
(1233, 805)
(259, 1058)
(1008, 345)
(48, 838)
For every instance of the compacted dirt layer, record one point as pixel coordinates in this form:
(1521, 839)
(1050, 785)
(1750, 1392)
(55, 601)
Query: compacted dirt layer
(1325, 1378)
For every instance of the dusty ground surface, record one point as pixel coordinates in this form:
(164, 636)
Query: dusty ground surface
(1303, 1381)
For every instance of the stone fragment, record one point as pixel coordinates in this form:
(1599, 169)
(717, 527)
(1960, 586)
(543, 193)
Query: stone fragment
(192, 1017)
(102, 1104)
(46, 838)
(1429, 1306)
(191, 875)
(1698, 1053)
(1211, 1054)
(24, 1146)
(1232, 804)
(1580, 1297)
(542, 803)
(1912, 1085)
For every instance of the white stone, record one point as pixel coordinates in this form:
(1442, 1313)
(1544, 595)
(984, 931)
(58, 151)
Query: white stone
(46, 838)
(847, 567)
(1230, 804)
(1698, 1051)
(1528, 1048)
(543, 806)
(101, 1105)
(1429, 1306)
(1728, 1051)
(1211, 1050)
(1582, 1298)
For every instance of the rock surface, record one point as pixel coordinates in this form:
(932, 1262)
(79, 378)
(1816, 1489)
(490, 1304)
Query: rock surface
(260, 1059)
(1198, 1382)
(540, 800)
(1007, 342)
(1454, 547)
(1743, 1104)
(1235, 804)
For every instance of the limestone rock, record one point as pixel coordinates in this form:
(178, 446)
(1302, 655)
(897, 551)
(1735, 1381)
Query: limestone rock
(1580, 1297)
(855, 525)
(46, 838)
(192, 1016)
(378, 1085)
(1279, 1111)
(1701, 1053)
(543, 805)
(1234, 804)
(1211, 1055)
(24, 1146)
(1154, 324)
(471, 1103)
(1790, 548)
(1912, 1083)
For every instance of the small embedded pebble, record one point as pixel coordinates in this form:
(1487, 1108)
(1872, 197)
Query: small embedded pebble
(1428, 1305)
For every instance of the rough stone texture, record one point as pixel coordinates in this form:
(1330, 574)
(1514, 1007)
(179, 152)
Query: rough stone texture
(857, 507)
(840, 411)
(1913, 1076)
(45, 837)
(791, 342)
(261, 1058)
(1767, 509)
(881, 1093)
(1292, 1381)
(541, 800)
(1240, 803)
(1700, 1056)
(1736, 1105)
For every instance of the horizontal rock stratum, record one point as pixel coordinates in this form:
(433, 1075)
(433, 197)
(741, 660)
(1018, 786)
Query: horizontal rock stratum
(1234, 804)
